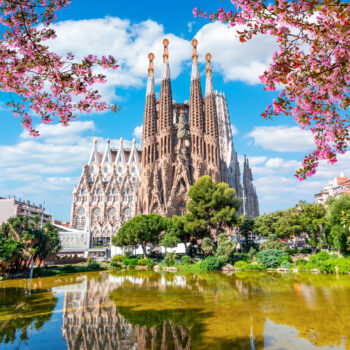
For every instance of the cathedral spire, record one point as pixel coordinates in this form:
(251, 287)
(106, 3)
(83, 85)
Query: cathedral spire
(166, 70)
(166, 104)
(94, 153)
(195, 71)
(150, 82)
(107, 157)
(196, 98)
(209, 82)
(150, 118)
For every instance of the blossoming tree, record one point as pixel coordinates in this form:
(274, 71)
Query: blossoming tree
(38, 81)
(311, 66)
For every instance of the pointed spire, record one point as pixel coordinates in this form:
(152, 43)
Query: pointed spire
(209, 83)
(195, 71)
(150, 82)
(196, 114)
(107, 157)
(94, 153)
(166, 70)
(120, 154)
(165, 99)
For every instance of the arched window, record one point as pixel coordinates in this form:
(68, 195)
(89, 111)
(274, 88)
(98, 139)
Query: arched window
(127, 213)
(81, 218)
(98, 191)
(96, 214)
(106, 170)
(113, 190)
(111, 215)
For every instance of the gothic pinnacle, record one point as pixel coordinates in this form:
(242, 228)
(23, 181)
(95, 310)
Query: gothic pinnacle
(151, 64)
(150, 82)
(166, 51)
(166, 71)
(194, 51)
(195, 71)
(209, 83)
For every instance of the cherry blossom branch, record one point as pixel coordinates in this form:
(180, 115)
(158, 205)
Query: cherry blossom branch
(312, 65)
(45, 84)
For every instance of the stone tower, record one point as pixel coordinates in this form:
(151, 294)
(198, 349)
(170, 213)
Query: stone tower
(211, 134)
(180, 141)
(229, 158)
(250, 199)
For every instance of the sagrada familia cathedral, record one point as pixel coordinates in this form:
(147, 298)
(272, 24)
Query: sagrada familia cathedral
(181, 142)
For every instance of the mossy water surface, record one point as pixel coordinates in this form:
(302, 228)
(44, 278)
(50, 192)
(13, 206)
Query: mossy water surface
(150, 310)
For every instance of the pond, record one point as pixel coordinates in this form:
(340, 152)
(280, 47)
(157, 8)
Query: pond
(150, 310)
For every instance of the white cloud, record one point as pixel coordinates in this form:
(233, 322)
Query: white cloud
(234, 130)
(234, 59)
(138, 132)
(190, 26)
(282, 138)
(128, 42)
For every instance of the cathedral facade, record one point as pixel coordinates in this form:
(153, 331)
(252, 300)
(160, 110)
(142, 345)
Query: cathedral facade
(180, 143)
(106, 194)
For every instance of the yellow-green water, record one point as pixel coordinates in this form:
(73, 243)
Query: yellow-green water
(149, 310)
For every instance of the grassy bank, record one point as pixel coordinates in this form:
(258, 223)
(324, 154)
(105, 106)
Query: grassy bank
(66, 269)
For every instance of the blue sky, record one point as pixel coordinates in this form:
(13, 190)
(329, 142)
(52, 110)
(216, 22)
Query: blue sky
(47, 168)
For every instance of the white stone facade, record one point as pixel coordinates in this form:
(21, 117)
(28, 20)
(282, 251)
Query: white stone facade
(105, 197)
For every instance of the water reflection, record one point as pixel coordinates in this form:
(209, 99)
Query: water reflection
(147, 310)
(22, 310)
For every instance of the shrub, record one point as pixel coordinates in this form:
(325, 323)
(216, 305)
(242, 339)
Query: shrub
(186, 260)
(272, 258)
(94, 266)
(68, 269)
(286, 265)
(207, 245)
(251, 253)
(321, 256)
(225, 247)
(212, 263)
(255, 267)
(240, 256)
(327, 265)
(142, 261)
(145, 262)
(117, 260)
(130, 262)
(150, 262)
(343, 265)
(300, 262)
(170, 259)
(240, 265)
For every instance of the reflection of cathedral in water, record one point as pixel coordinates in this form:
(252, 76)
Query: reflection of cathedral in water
(91, 321)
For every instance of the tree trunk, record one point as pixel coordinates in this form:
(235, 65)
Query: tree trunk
(31, 267)
(143, 245)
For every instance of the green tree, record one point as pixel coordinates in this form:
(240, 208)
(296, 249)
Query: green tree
(176, 232)
(312, 220)
(338, 231)
(226, 246)
(23, 241)
(207, 245)
(141, 230)
(265, 225)
(212, 207)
